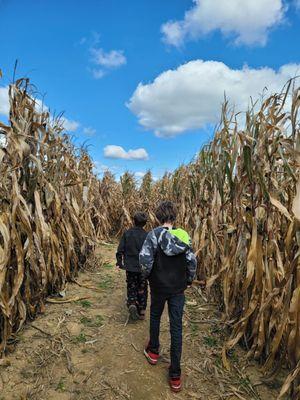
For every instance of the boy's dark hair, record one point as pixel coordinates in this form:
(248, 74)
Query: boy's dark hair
(166, 212)
(140, 219)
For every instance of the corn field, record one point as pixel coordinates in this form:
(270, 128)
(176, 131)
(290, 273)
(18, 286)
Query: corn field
(239, 200)
(51, 211)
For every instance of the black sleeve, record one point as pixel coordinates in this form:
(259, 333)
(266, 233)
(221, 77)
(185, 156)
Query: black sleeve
(120, 252)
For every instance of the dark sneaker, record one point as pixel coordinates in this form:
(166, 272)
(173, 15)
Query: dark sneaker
(175, 384)
(133, 312)
(142, 314)
(152, 358)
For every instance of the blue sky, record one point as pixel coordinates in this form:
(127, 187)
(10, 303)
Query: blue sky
(88, 58)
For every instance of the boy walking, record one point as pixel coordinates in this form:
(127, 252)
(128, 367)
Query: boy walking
(169, 263)
(128, 258)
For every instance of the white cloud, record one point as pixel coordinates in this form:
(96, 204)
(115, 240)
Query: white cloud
(4, 102)
(106, 61)
(70, 125)
(190, 97)
(89, 131)
(101, 61)
(112, 151)
(247, 21)
(111, 59)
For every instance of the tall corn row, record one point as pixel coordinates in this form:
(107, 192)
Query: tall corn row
(133, 198)
(130, 201)
(48, 211)
(239, 201)
(108, 197)
(148, 198)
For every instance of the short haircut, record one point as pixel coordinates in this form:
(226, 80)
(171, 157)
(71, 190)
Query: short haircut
(140, 219)
(166, 212)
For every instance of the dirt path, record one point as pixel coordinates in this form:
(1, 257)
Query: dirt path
(85, 350)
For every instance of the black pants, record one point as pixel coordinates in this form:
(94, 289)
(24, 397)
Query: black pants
(175, 308)
(137, 290)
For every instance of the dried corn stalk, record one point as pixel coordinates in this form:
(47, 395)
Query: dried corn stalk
(241, 201)
(51, 211)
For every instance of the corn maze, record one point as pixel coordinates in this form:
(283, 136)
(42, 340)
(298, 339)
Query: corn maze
(239, 199)
(50, 211)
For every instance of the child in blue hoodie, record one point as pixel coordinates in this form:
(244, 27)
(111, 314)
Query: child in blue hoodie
(168, 261)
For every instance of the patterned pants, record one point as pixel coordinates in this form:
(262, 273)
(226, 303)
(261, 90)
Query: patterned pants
(137, 290)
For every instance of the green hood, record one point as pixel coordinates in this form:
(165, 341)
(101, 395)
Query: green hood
(181, 234)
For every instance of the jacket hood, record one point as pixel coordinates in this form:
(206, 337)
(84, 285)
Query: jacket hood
(173, 241)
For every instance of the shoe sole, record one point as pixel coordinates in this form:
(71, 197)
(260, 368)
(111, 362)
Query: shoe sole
(133, 312)
(149, 359)
(176, 388)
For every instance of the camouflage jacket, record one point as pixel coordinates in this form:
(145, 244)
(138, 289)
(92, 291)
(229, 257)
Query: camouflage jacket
(172, 242)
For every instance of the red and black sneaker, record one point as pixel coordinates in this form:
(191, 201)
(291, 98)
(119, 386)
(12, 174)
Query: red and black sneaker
(152, 358)
(175, 384)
